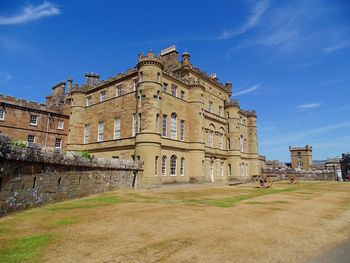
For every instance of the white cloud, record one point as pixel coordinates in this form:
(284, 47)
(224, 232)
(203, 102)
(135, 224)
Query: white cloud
(245, 91)
(30, 13)
(336, 47)
(5, 77)
(309, 106)
(253, 20)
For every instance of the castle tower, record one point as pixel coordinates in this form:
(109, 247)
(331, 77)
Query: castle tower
(77, 117)
(253, 144)
(148, 114)
(301, 157)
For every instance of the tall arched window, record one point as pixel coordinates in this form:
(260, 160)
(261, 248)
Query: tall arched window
(211, 139)
(173, 127)
(173, 165)
(182, 167)
(241, 143)
(164, 166)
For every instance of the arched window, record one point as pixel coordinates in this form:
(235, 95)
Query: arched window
(173, 127)
(182, 167)
(173, 165)
(164, 166)
(241, 143)
(221, 141)
(211, 138)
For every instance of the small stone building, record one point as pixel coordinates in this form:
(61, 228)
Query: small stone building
(301, 157)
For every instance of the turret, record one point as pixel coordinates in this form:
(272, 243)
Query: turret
(77, 117)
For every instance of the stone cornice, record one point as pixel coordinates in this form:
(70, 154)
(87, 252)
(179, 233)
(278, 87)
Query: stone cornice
(39, 111)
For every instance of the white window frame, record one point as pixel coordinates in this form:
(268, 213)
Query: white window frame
(182, 166)
(100, 130)
(2, 114)
(164, 125)
(88, 100)
(182, 130)
(103, 95)
(33, 117)
(119, 90)
(86, 133)
(31, 140)
(173, 163)
(173, 126)
(117, 125)
(164, 165)
(173, 90)
(58, 143)
(60, 124)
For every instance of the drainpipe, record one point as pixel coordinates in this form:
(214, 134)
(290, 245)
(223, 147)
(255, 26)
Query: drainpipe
(47, 128)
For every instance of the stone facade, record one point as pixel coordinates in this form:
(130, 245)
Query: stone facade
(301, 157)
(173, 117)
(43, 124)
(170, 115)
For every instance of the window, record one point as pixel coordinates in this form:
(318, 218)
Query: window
(140, 119)
(221, 138)
(140, 98)
(173, 127)
(58, 143)
(156, 166)
(117, 128)
(157, 122)
(210, 108)
(2, 114)
(60, 124)
(211, 141)
(158, 77)
(241, 169)
(241, 143)
(229, 143)
(89, 101)
(33, 119)
(100, 131)
(165, 87)
(228, 127)
(102, 95)
(135, 84)
(164, 166)
(211, 170)
(134, 129)
(158, 95)
(220, 110)
(119, 90)
(182, 167)
(173, 165)
(246, 169)
(229, 170)
(173, 90)
(141, 76)
(164, 128)
(86, 133)
(31, 138)
(222, 169)
(240, 120)
(182, 95)
(182, 130)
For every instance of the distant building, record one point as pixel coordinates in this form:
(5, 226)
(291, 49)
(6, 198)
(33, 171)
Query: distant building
(301, 157)
(334, 165)
(345, 166)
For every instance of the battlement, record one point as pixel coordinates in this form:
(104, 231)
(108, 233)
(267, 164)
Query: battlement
(22, 102)
(234, 103)
(306, 148)
(249, 113)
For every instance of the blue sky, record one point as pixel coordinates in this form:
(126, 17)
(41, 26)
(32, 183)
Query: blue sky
(289, 60)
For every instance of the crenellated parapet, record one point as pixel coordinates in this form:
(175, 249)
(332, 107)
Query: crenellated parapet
(149, 60)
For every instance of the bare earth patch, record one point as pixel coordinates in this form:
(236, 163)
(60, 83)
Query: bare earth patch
(287, 223)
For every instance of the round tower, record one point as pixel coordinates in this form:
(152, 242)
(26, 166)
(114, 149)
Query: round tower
(148, 113)
(76, 120)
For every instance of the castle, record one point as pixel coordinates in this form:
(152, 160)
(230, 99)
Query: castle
(176, 119)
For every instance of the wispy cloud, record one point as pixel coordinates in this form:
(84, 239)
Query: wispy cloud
(30, 13)
(253, 20)
(336, 47)
(296, 137)
(245, 91)
(309, 106)
(5, 77)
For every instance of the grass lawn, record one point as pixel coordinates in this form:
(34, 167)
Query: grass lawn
(201, 223)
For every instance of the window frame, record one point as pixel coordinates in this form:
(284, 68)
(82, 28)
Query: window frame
(173, 164)
(117, 126)
(86, 133)
(2, 115)
(103, 95)
(31, 136)
(31, 118)
(100, 131)
(56, 143)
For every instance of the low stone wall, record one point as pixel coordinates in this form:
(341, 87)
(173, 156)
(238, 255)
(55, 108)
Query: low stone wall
(31, 176)
(322, 175)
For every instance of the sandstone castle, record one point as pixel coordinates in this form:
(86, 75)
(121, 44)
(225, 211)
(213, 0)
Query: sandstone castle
(170, 115)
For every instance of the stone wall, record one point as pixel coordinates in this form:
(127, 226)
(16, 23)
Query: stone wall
(318, 175)
(31, 176)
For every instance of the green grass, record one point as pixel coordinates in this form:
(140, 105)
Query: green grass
(104, 199)
(27, 249)
(65, 221)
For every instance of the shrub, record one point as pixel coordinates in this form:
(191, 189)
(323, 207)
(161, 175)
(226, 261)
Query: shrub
(19, 143)
(85, 154)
